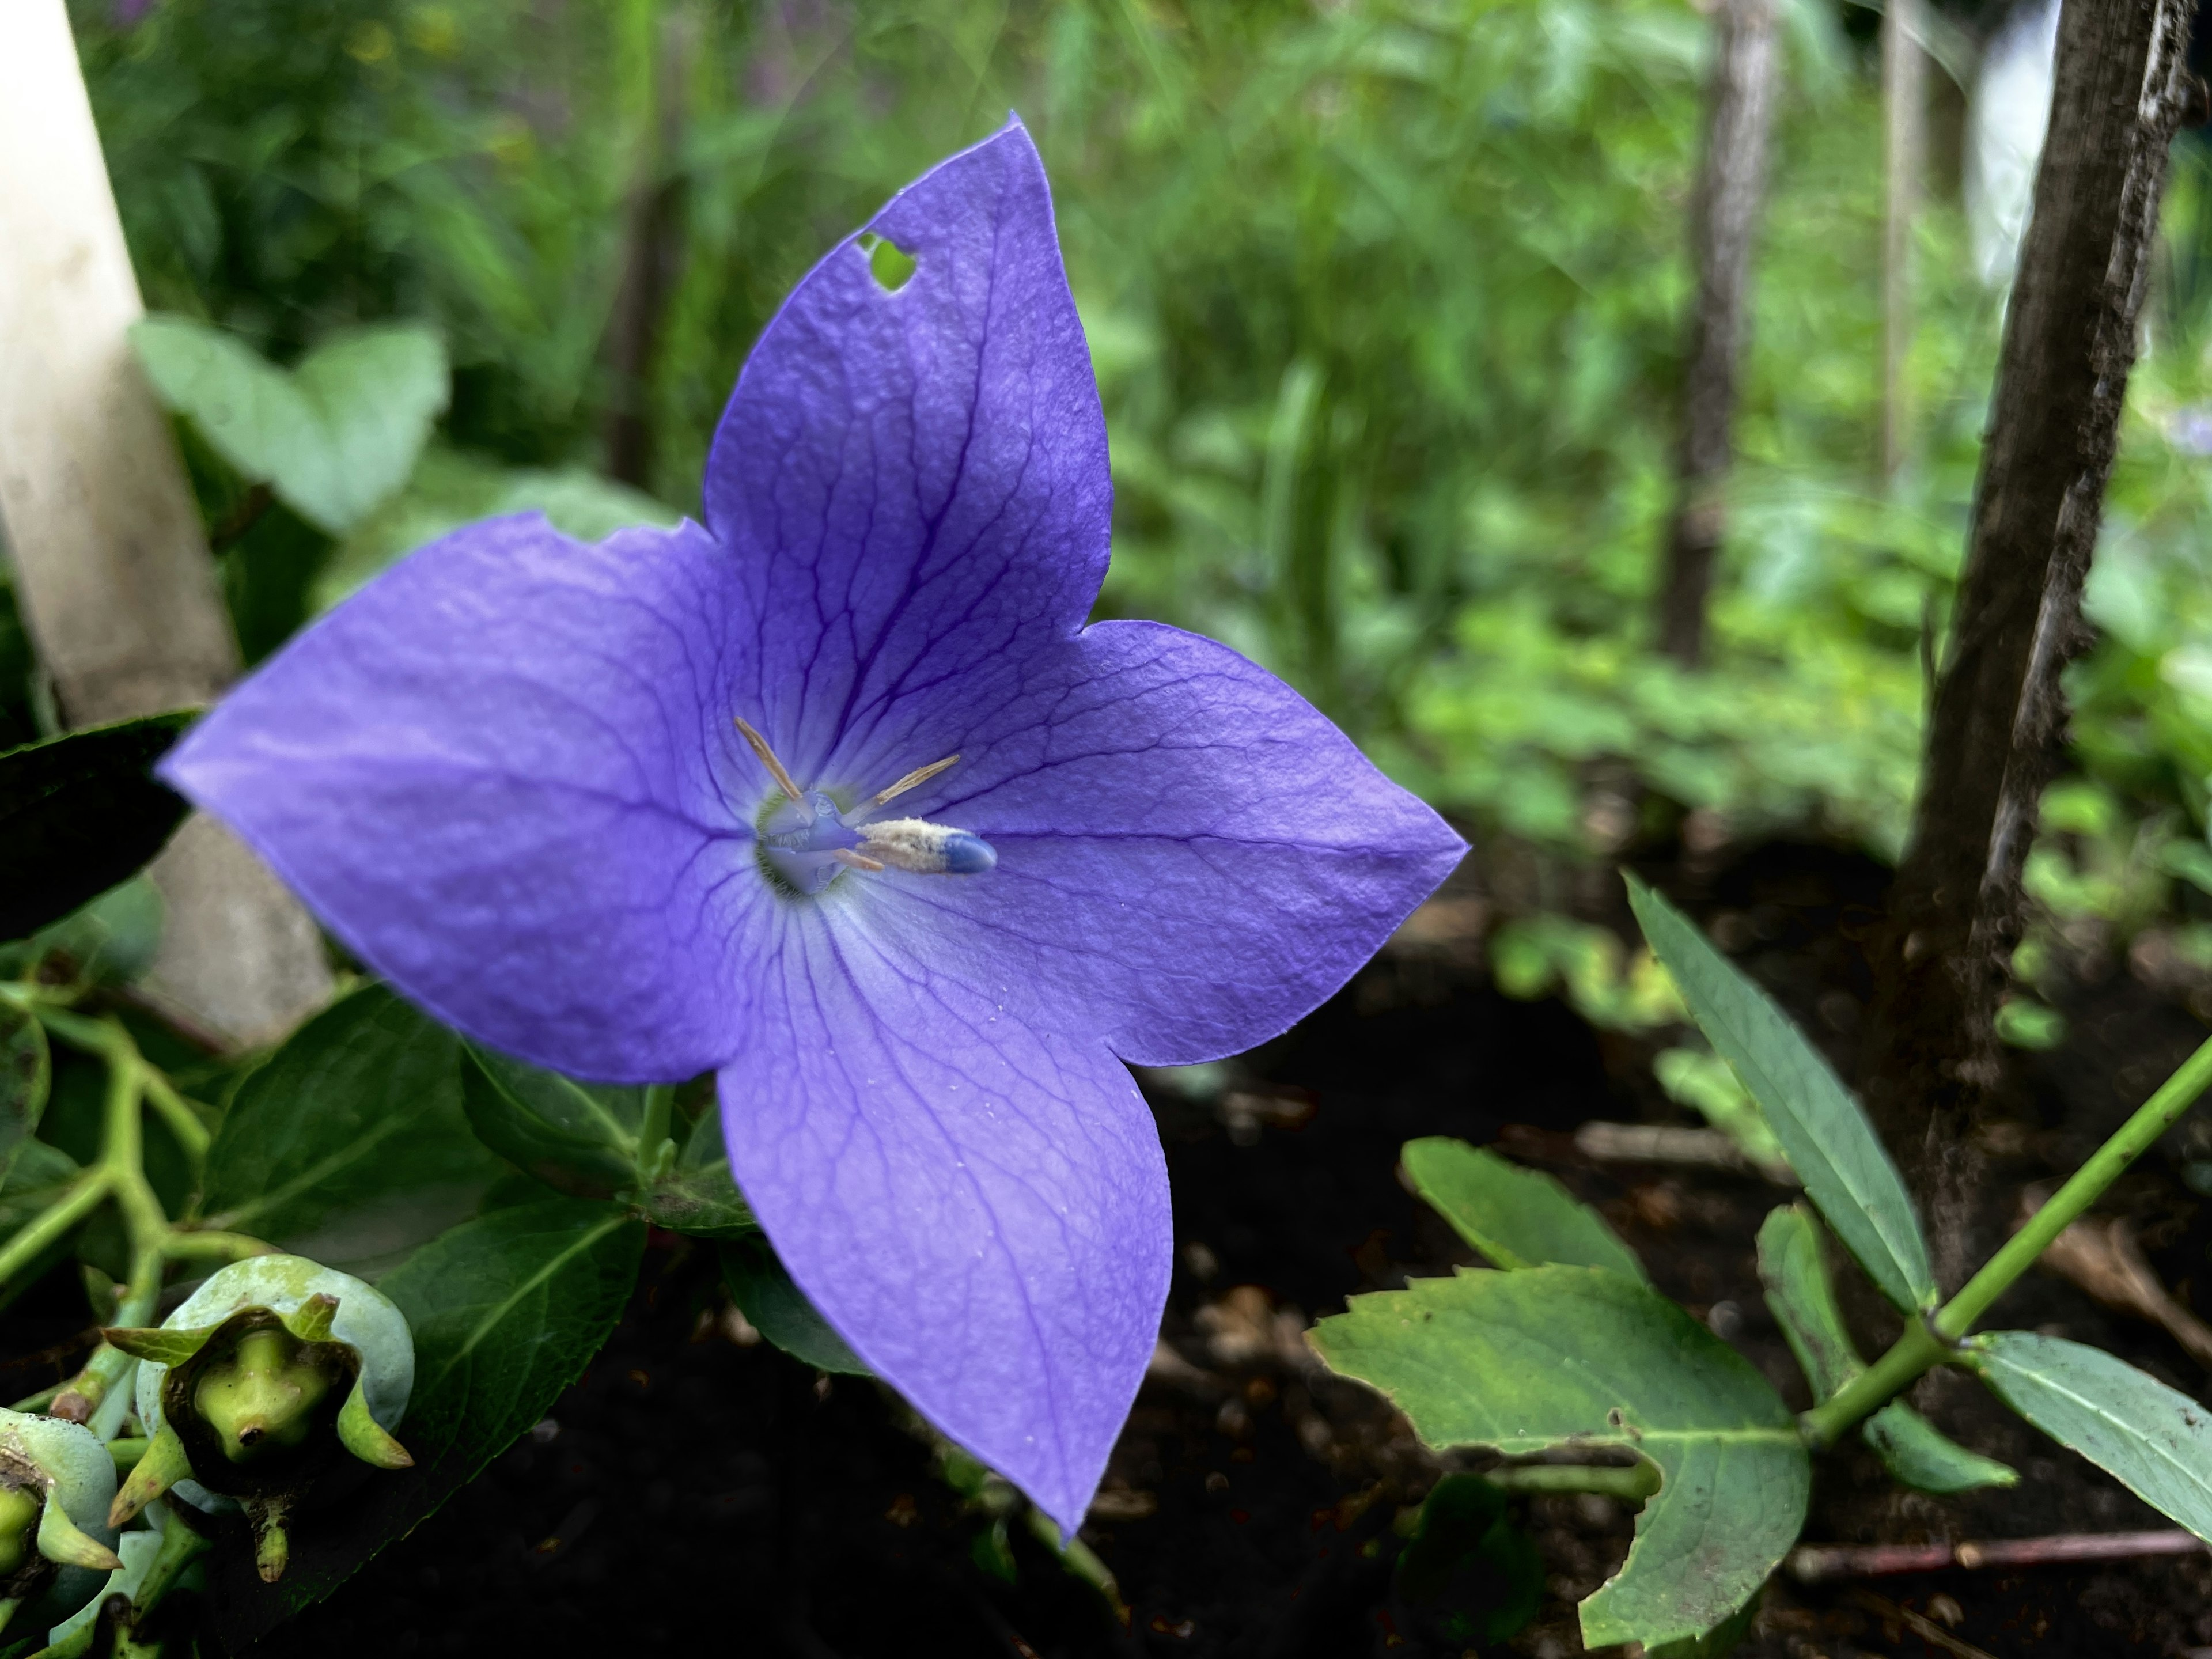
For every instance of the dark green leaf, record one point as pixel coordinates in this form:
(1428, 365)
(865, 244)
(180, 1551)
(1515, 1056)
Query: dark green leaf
(333, 437)
(779, 1309)
(1472, 1574)
(698, 1197)
(1548, 1357)
(2153, 1440)
(1923, 1456)
(79, 813)
(1822, 1129)
(1517, 1218)
(349, 1145)
(1803, 1302)
(27, 1072)
(578, 1138)
(507, 1310)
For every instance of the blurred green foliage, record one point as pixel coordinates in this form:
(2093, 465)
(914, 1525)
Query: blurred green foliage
(1386, 299)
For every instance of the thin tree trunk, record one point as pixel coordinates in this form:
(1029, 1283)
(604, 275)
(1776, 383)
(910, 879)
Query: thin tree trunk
(111, 569)
(1904, 123)
(1956, 911)
(652, 250)
(1723, 222)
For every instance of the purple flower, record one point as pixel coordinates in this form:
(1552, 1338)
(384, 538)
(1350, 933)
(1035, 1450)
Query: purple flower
(512, 774)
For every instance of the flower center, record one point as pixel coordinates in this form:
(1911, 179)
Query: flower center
(807, 840)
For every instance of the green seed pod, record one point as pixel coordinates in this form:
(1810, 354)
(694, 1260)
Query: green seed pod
(56, 1544)
(260, 1385)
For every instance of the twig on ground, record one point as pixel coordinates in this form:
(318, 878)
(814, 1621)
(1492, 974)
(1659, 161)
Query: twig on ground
(1814, 1564)
(2103, 1259)
(1646, 1143)
(1921, 1626)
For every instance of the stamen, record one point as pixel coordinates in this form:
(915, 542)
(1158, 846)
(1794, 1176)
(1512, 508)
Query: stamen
(921, 774)
(792, 790)
(852, 861)
(928, 849)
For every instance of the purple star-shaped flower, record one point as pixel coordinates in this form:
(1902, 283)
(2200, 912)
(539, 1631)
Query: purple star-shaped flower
(515, 775)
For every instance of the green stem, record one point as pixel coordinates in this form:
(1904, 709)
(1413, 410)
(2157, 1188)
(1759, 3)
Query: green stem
(2132, 1139)
(653, 1133)
(53, 1223)
(1631, 1485)
(1935, 1340)
(176, 1112)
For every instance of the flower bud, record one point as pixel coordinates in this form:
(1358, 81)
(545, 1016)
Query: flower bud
(55, 1480)
(273, 1380)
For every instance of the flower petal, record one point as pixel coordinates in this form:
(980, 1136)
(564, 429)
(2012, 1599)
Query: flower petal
(1191, 857)
(979, 1209)
(915, 483)
(494, 774)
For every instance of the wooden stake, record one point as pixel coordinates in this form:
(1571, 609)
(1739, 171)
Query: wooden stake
(110, 568)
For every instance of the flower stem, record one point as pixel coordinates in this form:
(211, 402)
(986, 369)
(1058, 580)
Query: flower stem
(1934, 1340)
(53, 1223)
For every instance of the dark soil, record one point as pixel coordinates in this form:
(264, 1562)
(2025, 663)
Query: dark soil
(695, 1492)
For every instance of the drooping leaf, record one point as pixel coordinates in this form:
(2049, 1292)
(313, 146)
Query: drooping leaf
(1517, 1218)
(698, 1197)
(27, 1071)
(1803, 1303)
(505, 1310)
(1524, 1361)
(79, 813)
(1824, 1132)
(350, 1145)
(779, 1309)
(333, 437)
(577, 1138)
(1923, 1457)
(2153, 1440)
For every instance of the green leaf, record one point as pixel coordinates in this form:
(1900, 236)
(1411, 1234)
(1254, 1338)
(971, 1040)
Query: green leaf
(2153, 1440)
(79, 813)
(1548, 1357)
(1923, 1457)
(1803, 1303)
(779, 1309)
(1822, 1129)
(507, 1310)
(1476, 1576)
(1517, 1218)
(577, 1138)
(27, 1072)
(333, 437)
(350, 1144)
(699, 1196)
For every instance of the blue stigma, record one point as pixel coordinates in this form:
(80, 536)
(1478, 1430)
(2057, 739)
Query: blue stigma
(968, 855)
(803, 852)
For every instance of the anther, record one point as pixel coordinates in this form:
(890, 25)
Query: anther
(921, 774)
(798, 796)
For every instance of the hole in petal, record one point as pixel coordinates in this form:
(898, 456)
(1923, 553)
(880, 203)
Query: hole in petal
(891, 263)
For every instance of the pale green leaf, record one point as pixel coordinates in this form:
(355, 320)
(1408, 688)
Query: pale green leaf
(2153, 1440)
(1825, 1135)
(1923, 1457)
(1525, 1361)
(333, 437)
(698, 1197)
(1517, 1218)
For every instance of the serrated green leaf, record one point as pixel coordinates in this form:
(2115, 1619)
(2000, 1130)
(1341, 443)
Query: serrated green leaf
(350, 1144)
(507, 1310)
(1546, 1357)
(27, 1072)
(699, 1196)
(1803, 1302)
(1822, 1130)
(81, 812)
(1517, 1218)
(780, 1311)
(577, 1138)
(2153, 1440)
(1923, 1457)
(333, 437)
